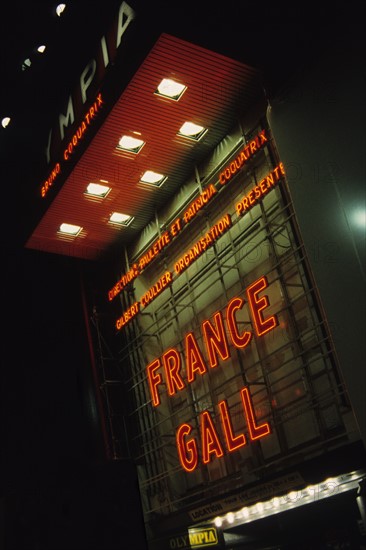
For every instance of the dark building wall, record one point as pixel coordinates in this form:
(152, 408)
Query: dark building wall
(318, 125)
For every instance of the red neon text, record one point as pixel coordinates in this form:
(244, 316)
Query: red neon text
(245, 154)
(216, 340)
(128, 315)
(199, 203)
(203, 244)
(210, 441)
(124, 280)
(258, 192)
(79, 134)
(50, 180)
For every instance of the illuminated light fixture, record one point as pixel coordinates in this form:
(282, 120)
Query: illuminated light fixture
(153, 178)
(60, 8)
(5, 121)
(230, 517)
(245, 512)
(26, 64)
(293, 499)
(276, 502)
(218, 521)
(192, 131)
(131, 144)
(70, 229)
(120, 219)
(359, 218)
(171, 89)
(97, 190)
(41, 48)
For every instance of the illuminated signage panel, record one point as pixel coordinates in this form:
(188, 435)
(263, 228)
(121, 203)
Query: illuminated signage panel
(74, 123)
(190, 213)
(73, 144)
(230, 357)
(167, 372)
(196, 538)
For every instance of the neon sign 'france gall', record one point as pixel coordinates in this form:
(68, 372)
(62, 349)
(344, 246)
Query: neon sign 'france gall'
(92, 74)
(169, 372)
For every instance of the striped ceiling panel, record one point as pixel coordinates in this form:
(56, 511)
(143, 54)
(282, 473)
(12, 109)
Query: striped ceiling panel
(218, 88)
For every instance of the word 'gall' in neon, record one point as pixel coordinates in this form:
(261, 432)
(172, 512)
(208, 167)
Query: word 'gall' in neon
(211, 442)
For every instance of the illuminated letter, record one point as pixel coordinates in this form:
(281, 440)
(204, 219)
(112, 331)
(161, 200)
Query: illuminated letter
(215, 339)
(172, 364)
(239, 341)
(210, 439)
(154, 380)
(194, 359)
(257, 305)
(255, 432)
(233, 442)
(103, 43)
(65, 120)
(125, 16)
(86, 80)
(263, 136)
(48, 154)
(187, 450)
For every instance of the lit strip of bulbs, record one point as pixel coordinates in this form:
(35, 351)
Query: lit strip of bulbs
(294, 499)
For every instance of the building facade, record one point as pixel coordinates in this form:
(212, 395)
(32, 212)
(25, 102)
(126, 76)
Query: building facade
(229, 355)
(242, 402)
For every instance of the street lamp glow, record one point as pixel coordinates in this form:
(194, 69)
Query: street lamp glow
(359, 218)
(60, 9)
(5, 121)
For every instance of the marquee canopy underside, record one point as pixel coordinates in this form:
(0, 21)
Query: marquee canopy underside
(219, 89)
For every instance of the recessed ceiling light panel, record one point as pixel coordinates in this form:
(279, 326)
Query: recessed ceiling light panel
(97, 190)
(118, 218)
(153, 178)
(70, 229)
(131, 144)
(171, 89)
(191, 130)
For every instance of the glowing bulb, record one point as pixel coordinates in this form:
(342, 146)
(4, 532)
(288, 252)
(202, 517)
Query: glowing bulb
(276, 502)
(360, 218)
(245, 512)
(5, 121)
(230, 517)
(218, 521)
(26, 64)
(60, 9)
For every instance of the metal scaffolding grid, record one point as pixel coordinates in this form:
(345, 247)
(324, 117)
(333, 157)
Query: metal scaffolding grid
(291, 372)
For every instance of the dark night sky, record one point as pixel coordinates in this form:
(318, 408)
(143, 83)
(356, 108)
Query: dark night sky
(45, 434)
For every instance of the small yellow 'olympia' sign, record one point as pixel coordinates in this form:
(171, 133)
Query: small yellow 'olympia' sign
(200, 538)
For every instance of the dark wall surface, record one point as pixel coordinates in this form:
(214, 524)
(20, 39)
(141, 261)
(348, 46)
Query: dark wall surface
(318, 124)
